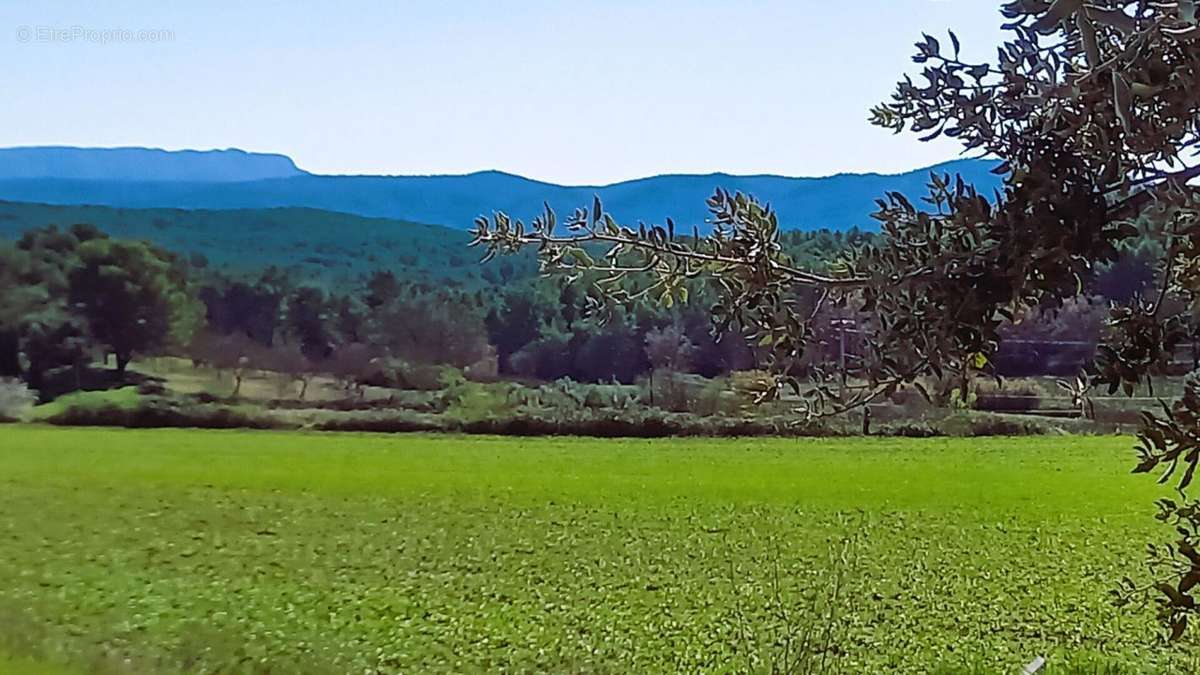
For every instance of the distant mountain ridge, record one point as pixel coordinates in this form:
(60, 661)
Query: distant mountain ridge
(835, 202)
(142, 164)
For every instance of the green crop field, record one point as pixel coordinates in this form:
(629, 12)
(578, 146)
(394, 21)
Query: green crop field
(168, 551)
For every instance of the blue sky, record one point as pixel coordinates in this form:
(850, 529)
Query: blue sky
(571, 91)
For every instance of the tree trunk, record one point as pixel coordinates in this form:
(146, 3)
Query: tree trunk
(35, 377)
(122, 364)
(10, 354)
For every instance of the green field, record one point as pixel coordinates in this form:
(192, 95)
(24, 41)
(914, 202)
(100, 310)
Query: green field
(174, 550)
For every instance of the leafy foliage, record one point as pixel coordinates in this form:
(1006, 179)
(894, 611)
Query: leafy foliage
(133, 296)
(65, 293)
(16, 399)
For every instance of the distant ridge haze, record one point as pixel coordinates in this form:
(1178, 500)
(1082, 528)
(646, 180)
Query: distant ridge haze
(231, 179)
(143, 164)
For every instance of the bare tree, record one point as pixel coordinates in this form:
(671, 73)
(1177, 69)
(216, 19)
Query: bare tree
(289, 360)
(353, 364)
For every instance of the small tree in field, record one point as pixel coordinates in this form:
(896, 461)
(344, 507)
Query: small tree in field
(235, 353)
(669, 350)
(289, 360)
(353, 364)
(1092, 112)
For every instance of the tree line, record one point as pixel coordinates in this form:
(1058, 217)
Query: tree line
(73, 295)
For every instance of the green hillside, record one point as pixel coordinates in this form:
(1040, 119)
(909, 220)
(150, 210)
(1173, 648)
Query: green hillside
(334, 247)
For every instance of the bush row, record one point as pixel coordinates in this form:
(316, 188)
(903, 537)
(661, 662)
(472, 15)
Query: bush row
(154, 412)
(603, 424)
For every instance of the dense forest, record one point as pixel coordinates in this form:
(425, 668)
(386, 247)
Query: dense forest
(73, 294)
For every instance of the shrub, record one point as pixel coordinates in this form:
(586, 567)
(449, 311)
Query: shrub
(474, 401)
(914, 429)
(596, 400)
(582, 422)
(399, 374)
(1008, 402)
(1010, 396)
(959, 402)
(906, 404)
(608, 396)
(669, 391)
(161, 412)
(751, 384)
(16, 400)
(152, 388)
(714, 398)
(565, 394)
(996, 425)
(988, 424)
(390, 422)
(486, 369)
(642, 424)
(805, 620)
(416, 401)
(124, 398)
(611, 425)
(545, 359)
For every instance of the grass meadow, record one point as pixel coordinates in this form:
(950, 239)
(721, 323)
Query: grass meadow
(213, 551)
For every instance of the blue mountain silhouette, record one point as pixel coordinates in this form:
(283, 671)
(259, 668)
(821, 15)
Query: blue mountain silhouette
(233, 179)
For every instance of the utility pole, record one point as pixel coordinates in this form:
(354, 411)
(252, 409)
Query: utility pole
(842, 325)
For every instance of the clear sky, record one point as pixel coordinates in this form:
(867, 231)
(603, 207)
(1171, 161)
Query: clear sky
(571, 91)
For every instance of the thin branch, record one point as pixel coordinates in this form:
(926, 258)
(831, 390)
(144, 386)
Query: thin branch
(792, 273)
(1132, 205)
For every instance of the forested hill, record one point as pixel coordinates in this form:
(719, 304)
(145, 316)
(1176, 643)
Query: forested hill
(835, 202)
(336, 250)
(330, 248)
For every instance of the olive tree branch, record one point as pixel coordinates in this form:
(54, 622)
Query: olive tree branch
(680, 251)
